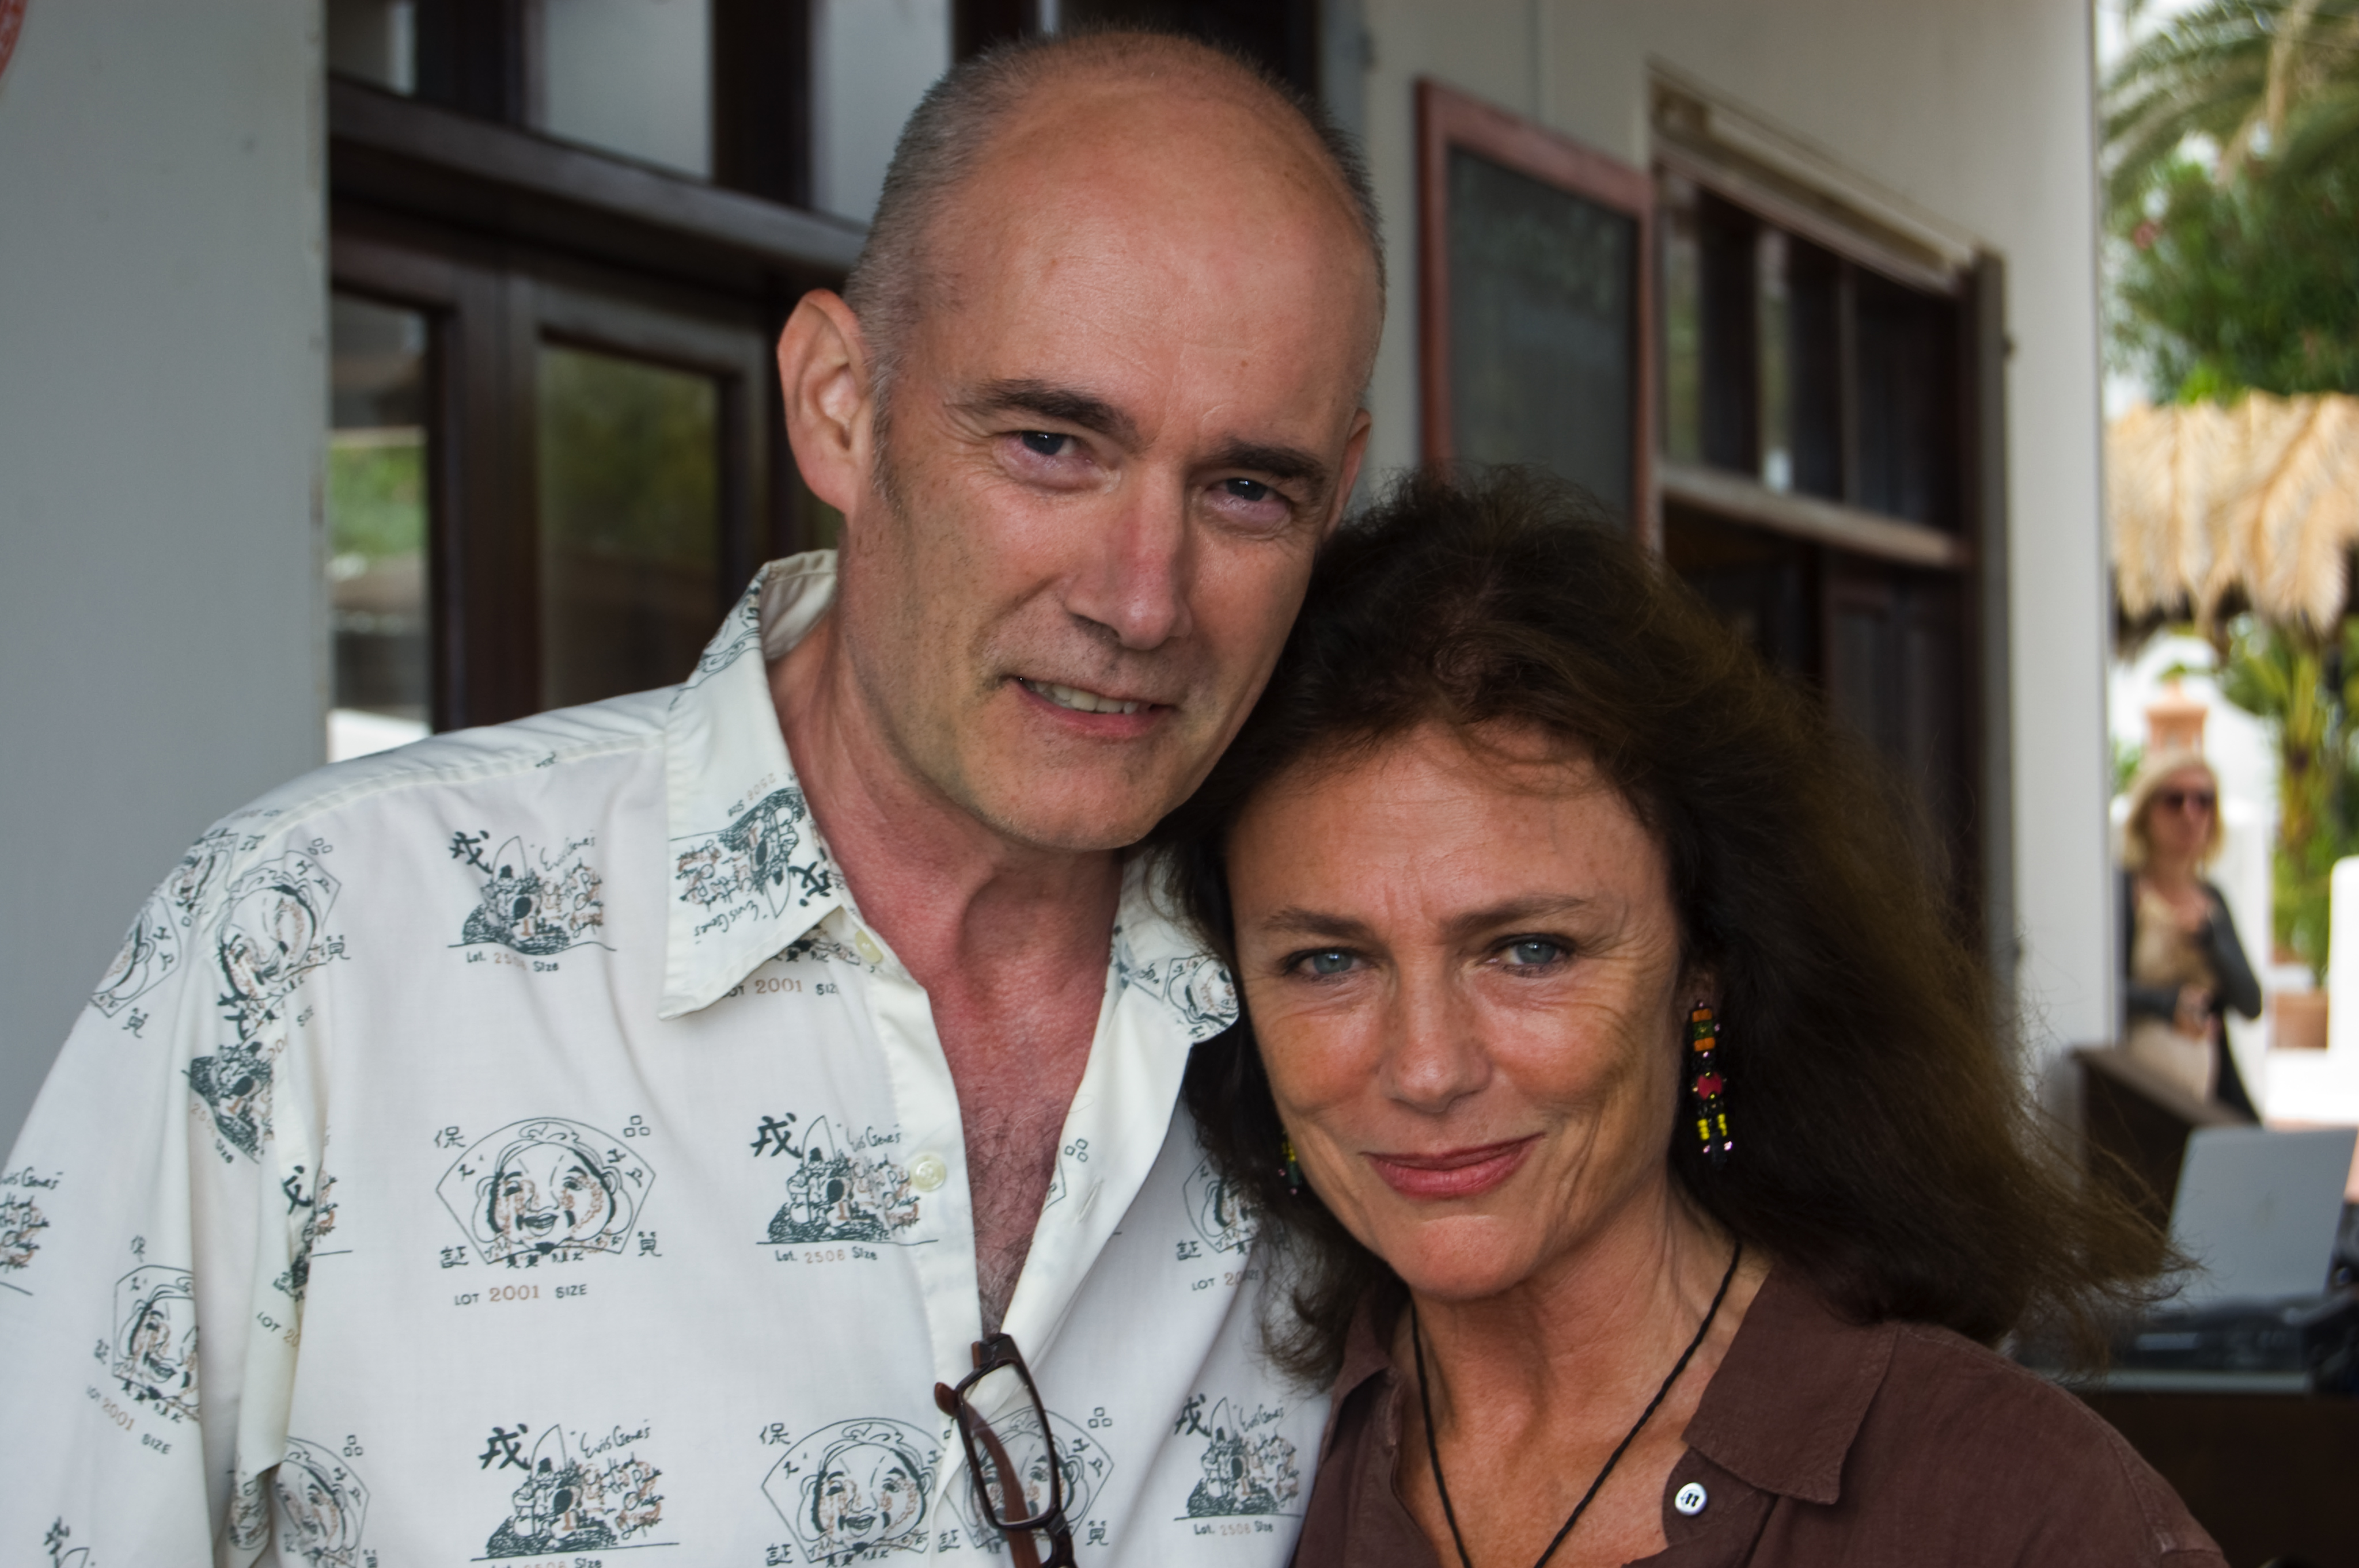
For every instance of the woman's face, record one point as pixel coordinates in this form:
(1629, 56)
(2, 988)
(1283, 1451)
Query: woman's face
(2180, 815)
(1465, 971)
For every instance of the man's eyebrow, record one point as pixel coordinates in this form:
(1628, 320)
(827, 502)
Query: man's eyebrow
(1066, 404)
(1279, 462)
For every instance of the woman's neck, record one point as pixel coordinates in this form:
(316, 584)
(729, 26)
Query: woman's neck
(1535, 1390)
(1589, 1329)
(2170, 875)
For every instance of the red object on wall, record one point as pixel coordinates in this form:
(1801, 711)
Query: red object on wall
(12, 18)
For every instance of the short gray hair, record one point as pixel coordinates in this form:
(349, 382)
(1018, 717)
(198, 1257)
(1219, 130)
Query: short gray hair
(955, 125)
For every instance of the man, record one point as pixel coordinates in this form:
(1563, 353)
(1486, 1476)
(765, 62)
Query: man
(605, 1189)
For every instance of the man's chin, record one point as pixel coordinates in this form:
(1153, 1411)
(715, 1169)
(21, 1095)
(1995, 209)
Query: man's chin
(1080, 820)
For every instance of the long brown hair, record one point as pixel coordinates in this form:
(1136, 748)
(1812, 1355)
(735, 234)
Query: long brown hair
(1887, 1146)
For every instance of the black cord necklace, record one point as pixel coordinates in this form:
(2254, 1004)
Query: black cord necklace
(1433, 1448)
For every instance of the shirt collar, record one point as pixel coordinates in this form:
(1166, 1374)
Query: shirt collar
(1786, 1404)
(747, 870)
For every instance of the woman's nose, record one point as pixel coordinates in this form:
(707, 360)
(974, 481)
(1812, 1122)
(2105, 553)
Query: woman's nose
(1434, 1057)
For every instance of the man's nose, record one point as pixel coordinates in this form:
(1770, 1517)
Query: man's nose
(1138, 565)
(1433, 1057)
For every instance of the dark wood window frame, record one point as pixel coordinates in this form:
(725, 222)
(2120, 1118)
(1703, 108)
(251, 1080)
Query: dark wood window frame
(1448, 119)
(506, 239)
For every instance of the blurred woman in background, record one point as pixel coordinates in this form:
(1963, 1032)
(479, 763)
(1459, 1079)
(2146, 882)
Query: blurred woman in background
(1514, 833)
(2182, 964)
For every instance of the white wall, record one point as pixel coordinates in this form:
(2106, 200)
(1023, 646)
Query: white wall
(162, 309)
(1978, 111)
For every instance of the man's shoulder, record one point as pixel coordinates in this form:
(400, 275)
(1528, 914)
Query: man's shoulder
(546, 755)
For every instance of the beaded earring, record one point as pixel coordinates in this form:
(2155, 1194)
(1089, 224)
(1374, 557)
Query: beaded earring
(1707, 1088)
(1292, 1169)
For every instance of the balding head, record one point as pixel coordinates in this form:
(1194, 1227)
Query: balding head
(1121, 303)
(1145, 104)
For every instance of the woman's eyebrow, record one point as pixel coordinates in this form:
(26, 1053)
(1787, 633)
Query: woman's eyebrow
(1295, 921)
(1515, 912)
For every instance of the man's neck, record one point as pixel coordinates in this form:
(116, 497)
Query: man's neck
(956, 899)
(1008, 940)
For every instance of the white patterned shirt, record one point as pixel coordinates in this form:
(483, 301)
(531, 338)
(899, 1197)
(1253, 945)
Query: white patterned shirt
(517, 1146)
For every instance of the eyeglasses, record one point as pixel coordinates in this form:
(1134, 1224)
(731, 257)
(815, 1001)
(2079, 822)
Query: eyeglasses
(2202, 800)
(1019, 1482)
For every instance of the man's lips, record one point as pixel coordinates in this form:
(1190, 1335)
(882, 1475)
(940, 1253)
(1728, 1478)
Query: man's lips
(1100, 712)
(1453, 1172)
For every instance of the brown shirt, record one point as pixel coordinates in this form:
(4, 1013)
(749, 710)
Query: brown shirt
(1819, 1442)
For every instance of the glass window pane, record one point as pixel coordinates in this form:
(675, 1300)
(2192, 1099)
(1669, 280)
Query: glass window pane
(630, 522)
(1542, 327)
(1683, 323)
(871, 61)
(631, 76)
(376, 505)
(376, 40)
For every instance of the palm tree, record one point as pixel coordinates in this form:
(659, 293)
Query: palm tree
(2274, 80)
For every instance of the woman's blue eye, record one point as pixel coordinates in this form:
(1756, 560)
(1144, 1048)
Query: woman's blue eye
(1047, 443)
(1533, 951)
(1332, 962)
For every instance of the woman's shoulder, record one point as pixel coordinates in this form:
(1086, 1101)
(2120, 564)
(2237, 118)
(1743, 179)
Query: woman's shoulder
(1958, 1431)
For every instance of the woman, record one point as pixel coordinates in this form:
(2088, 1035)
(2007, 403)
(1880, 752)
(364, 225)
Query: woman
(1513, 821)
(2181, 960)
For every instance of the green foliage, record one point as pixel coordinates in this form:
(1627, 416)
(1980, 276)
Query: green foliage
(376, 496)
(2129, 757)
(2276, 79)
(2232, 189)
(2306, 688)
(2256, 285)
(629, 460)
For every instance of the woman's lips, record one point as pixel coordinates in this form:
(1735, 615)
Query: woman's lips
(1453, 1173)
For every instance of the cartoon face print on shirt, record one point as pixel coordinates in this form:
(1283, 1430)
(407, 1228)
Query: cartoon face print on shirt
(1197, 989)
(271, 934)
(1219, 1210)
(546, 1190)
(1083, 1463)
(856, 1490)
(322, 1505)
(153, 1347)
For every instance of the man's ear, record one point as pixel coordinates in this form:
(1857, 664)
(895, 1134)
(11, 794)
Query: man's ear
(823, 367)
(1355, 448)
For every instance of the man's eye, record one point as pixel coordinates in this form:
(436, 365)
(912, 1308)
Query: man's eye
(1247, 488)
(1047, 443)
(1330, 962)
(1533, 952)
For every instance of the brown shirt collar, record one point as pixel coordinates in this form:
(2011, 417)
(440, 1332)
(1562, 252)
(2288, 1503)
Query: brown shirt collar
(1781, 1411)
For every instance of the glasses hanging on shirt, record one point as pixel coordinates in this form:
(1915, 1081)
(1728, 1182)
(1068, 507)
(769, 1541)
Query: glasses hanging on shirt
(1019, 1483)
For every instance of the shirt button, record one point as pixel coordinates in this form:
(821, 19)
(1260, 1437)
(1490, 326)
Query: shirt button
(866, 945)
(1691, 1499)
(927, 1171)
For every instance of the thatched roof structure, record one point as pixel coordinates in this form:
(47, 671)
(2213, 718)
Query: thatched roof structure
(2261, 495)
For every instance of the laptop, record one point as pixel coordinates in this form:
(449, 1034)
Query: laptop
(2258, 1210)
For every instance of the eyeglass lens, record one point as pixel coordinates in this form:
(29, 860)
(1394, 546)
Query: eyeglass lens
(2180, 799)
(1015, 1455)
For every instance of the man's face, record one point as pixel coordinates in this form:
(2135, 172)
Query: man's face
(1129, 414)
